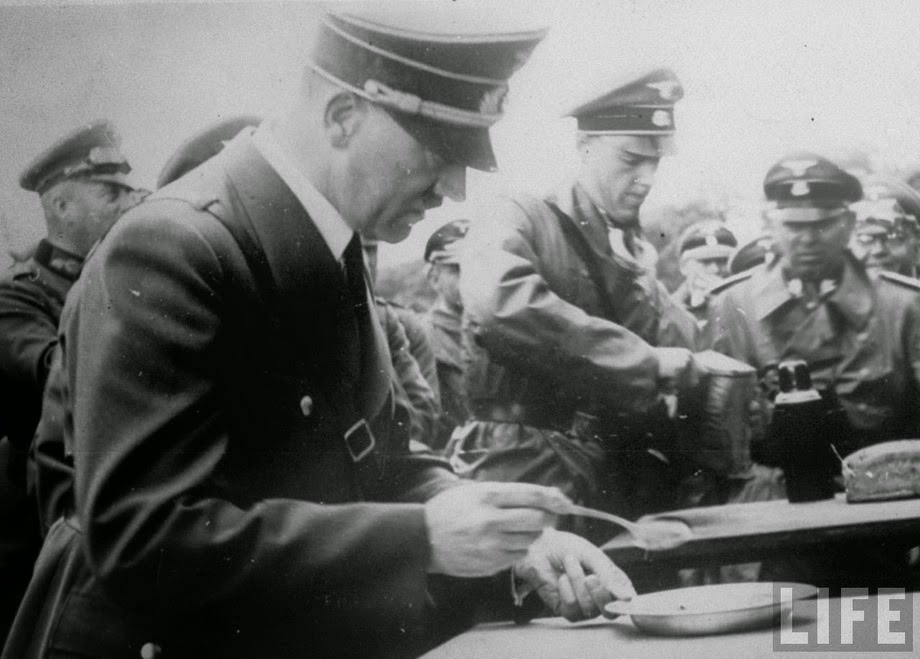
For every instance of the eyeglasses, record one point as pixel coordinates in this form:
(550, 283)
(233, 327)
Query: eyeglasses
(891, 237)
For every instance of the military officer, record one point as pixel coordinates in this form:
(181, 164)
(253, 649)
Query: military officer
(240, 489)
(83, 186)
(442, 254)
(704, 249)
(816, 302)
(570, 335)
(887, 233)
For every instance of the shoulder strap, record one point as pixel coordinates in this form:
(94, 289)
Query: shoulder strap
(580, 244)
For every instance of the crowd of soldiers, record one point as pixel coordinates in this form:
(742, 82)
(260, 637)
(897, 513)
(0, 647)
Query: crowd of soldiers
(552, 354)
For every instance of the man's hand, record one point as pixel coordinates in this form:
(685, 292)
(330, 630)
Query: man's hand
(677, 369)
(478, 529)
(572, 576)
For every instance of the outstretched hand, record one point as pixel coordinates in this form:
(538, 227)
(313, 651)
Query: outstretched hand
(572, 576)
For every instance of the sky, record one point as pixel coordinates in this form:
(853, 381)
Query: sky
(761, 80)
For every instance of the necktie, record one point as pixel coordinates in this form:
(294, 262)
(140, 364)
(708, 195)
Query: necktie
(356, 300)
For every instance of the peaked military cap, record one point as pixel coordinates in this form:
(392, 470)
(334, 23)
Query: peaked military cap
(882, 216)
(805, 187)
(750, 254)
(444, 245)
(445, 87)
(641, 106)
(885, 187)
(709, 239)
(90, 151)
(202, 146)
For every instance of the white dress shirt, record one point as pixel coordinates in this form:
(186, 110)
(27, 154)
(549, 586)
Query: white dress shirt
(332, 227)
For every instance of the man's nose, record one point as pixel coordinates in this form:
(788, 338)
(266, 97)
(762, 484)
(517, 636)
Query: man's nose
(645, 174)
(452, 183)
(878, 248)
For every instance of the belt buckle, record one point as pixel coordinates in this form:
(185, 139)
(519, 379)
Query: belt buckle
(359, 440)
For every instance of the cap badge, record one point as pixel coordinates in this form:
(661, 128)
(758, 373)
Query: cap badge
(493, 100)
(711, 240)
(665, 88)
(799, 167)
(800, 189)
(661, 118)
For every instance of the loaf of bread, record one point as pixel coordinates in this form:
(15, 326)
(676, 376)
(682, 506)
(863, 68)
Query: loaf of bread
(890, 470)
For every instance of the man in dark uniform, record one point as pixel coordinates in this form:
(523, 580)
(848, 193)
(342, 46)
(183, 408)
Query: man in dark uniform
(83, 185)
(572, 340)
(858, 332)
(239, 489)
(704, 249)
(442, 254)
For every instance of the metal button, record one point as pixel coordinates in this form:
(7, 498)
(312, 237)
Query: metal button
(862, 407)
(306, 405)
(864, 373)
(151, 651)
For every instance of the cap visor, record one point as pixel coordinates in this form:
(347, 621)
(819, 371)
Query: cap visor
(459, 145)
(116, 178)
(803, 214)
(708, 252)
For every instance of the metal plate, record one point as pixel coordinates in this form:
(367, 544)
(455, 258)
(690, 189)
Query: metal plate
(715, 609)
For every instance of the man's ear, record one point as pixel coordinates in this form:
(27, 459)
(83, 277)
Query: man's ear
(56, 202)
(344, 114)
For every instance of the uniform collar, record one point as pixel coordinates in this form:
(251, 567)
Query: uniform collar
(852, 295)
(332, 227)
(576, 202)
(59, 261)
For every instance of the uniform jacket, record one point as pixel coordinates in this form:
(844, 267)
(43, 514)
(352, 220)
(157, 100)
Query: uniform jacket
(444, 327)
(413, 390)
(537, 332)
(31, 299)
(220, 512)
(861, 340)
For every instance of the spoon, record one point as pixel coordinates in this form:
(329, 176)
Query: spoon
(654, 534)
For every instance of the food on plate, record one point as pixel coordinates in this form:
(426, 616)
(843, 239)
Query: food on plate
(890, 470)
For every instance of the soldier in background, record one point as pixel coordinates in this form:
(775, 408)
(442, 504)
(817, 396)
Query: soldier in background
(885, 237)
(442, 254)
(567, 326)
(704, 250)
(83, 185)
(887, 234)
(860, 335)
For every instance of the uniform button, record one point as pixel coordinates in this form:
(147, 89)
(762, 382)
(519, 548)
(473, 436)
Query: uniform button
(811, 304)
(864, 373)
(862, 337)
(151, 651)
(306, 405)
(862, 407)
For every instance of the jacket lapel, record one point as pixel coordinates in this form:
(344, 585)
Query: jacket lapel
(311, 284)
